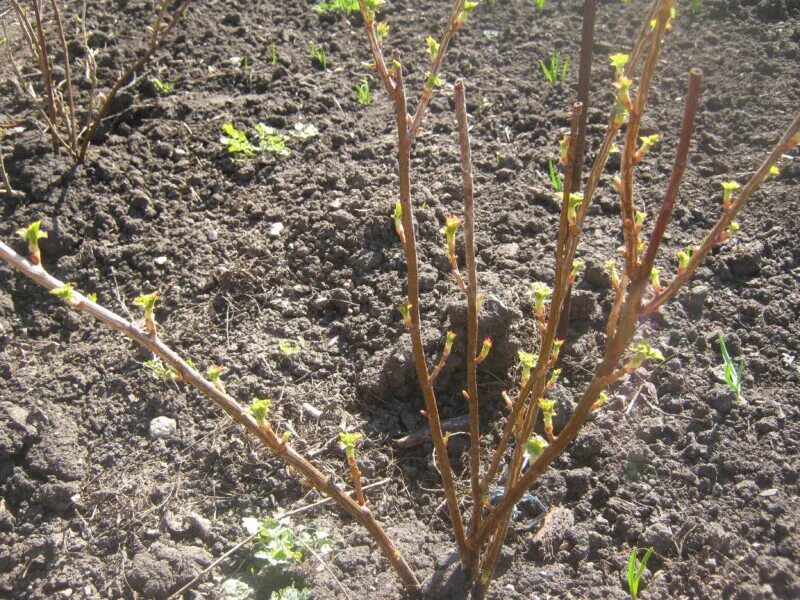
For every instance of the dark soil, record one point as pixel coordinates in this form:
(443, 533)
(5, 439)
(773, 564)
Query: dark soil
(95, 507)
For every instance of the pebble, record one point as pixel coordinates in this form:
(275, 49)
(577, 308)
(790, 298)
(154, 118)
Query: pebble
(163, 427)
(275, 229)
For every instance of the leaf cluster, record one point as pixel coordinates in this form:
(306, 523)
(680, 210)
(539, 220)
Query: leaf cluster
(269, 139)
(277, 544)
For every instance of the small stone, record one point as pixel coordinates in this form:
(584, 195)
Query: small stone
(163, 427)
(275, 229)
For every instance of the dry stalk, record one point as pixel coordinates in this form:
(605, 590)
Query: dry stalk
(67, 135)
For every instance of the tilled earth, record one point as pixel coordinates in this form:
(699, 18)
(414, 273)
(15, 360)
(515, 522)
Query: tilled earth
(249, 252)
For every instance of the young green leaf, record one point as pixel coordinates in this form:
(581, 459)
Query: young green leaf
(259, 408)
(32, 235)
(273, 142)
(535, 446)
(433, 48)
(291, 347)
(619, 61)
(67, 293)
(363, 93)
(348, 442)
(236, 141)
(302, 131)
(163, 88)
(728, 187)
(641, 353)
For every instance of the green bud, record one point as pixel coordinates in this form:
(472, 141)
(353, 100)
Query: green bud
(464, 14)
(612, 271)
(259, 408)
(647, 142)
(619, 61)
(575, 200)
(551, 383)
(642, 352)
(449, 230)
(433, 49)
(432, 81)
(67, 293)
(638, 220)
(214, 373)
(654, 281)
(557, 344)
(563, 149)
(528, 360)
(405, 311)
(381, 31)
(448, 342)
(684, 256)
(548, 408)
(535, 446)
(348, 442)
(623, 87)
(148, 303)
(577, 267)
(540, 292)
(32, 235)
(728, 187)
(487, 346)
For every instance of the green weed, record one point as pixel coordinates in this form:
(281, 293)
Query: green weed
(733, 376)
(363, 93)
(634, 574)
(163, 88)
(555, 178)
(557, 71)
(318, 55)
(340, 7)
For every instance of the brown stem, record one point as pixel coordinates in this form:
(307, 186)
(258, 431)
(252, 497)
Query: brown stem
(472, 312)
(375, 47)
(725, 220)
(555, 306)
(355, 474)
(619, 296)
(630, 314)
(537, 380)
(235, 410)
(631, 138)
(614, 352)
(678, 169)
(425, 97)
(439, 366)
(154, 44)
(72, 130)
(418, 349)
(584, 80)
